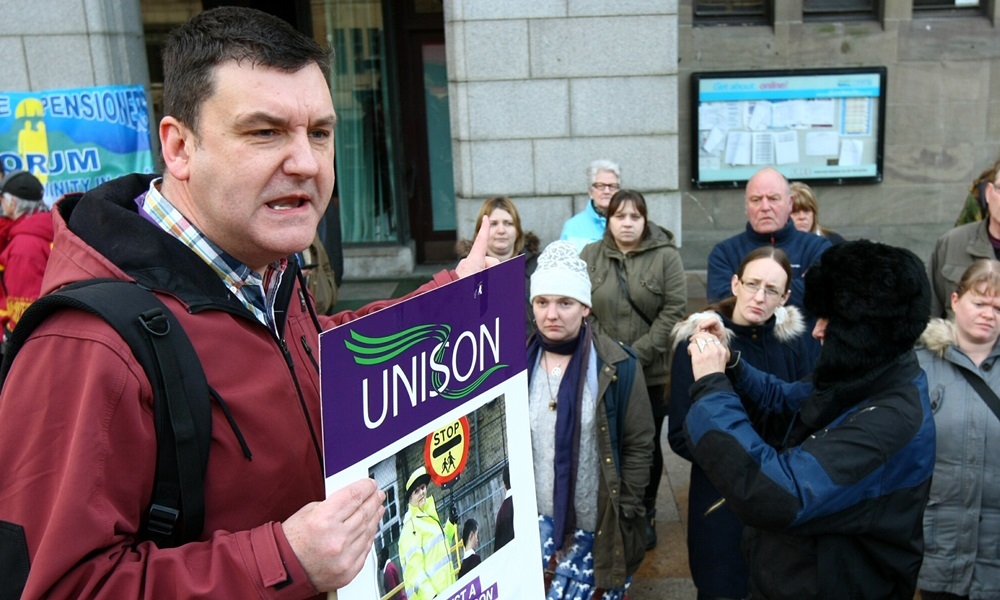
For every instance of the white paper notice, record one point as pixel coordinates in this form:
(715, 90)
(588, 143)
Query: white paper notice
(789, 114)
(821, 113)
(732, 115)
(714, 141)
(709, 115)
(786, 147)
(857, 116)
(738, 148)
(822, 143)
(760, 116)
(850, 152)
(763, 148)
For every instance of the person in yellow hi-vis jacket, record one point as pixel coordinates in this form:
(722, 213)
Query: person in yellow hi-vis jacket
(425, 542)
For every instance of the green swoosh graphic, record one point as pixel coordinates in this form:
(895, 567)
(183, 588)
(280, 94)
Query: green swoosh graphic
(459, 394)
(376, 350)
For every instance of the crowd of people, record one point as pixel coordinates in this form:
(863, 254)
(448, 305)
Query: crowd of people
(817, 393)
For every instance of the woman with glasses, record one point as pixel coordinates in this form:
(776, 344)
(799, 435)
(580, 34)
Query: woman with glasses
(962, 519)
(639, 292)
(772, 337)
(586, 226)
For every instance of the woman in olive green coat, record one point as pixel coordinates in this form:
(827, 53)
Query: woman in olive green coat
(639, 292)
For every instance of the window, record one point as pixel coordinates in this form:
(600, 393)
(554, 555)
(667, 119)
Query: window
(364, 138)
(839, 10)
(937, 8)
(732, 12)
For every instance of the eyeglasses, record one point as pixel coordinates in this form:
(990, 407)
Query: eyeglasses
(600, 187)
(753, 287)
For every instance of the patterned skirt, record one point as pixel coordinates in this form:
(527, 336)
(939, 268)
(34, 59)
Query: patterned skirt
(574, 573)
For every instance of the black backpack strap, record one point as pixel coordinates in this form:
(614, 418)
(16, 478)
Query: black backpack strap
(182, 410)
(983, 389)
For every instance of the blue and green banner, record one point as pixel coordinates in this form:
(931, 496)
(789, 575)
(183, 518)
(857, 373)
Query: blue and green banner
(75, 139)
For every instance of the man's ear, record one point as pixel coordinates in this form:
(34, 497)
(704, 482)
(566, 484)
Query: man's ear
(176, 144)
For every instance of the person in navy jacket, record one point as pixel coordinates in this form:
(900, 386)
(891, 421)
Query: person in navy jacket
(832, 491)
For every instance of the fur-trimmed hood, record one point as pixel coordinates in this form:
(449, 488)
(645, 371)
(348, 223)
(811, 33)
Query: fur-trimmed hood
(788, 324)
(938, 336)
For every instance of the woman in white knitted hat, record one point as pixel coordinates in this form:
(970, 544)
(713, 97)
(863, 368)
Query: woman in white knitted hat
(591, 429)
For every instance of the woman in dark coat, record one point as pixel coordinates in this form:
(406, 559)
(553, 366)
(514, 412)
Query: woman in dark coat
(772, 337)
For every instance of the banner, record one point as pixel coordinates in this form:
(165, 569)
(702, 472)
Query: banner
(433, 391)
(75, 139)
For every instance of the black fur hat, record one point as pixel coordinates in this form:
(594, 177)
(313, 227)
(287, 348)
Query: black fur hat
(878, 301)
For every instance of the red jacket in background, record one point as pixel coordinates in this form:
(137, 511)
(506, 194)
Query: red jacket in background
(25, 244)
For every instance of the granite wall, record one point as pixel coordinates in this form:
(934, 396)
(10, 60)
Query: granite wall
(540, 88)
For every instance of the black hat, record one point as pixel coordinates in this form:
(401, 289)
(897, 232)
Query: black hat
(417, 478)
(23, 185)
(877, 299)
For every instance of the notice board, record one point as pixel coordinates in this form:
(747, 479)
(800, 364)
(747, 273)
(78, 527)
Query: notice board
(814, 125)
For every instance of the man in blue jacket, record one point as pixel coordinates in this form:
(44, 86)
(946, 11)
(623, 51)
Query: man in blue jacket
(768, 208)
(830, 476)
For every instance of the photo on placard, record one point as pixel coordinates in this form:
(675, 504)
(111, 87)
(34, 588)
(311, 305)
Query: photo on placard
(448, 502)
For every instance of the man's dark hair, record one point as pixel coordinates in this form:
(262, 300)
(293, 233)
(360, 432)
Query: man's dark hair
(228, 33)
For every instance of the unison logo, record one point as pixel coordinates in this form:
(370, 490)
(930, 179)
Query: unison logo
(423, 362)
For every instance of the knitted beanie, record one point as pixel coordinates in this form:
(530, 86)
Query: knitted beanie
(561, 272)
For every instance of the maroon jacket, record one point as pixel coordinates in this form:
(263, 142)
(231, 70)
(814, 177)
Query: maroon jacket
(77, 444)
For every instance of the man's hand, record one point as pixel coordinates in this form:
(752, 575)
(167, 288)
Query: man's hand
(453, 515)
(708, 355)
(477, 260)
(332, 538)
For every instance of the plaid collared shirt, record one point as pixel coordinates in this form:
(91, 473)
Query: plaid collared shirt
(257, 292)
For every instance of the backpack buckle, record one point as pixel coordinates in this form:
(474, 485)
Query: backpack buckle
(162, 519)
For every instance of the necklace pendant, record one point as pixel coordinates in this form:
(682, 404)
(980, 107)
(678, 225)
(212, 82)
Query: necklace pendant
(557, 371)
(552, 405)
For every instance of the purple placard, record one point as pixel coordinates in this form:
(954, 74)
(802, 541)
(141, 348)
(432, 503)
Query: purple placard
(474, 591)
(394, 371)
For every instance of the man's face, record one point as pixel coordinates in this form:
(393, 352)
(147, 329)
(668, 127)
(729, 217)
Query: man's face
(257, 175)
(604, 186)
(768, 203)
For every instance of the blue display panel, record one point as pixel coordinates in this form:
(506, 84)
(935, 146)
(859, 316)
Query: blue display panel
(815, 125)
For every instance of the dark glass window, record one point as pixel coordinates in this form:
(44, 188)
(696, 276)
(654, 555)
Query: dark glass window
(839, 9)
(725, 12)
(943, 7)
